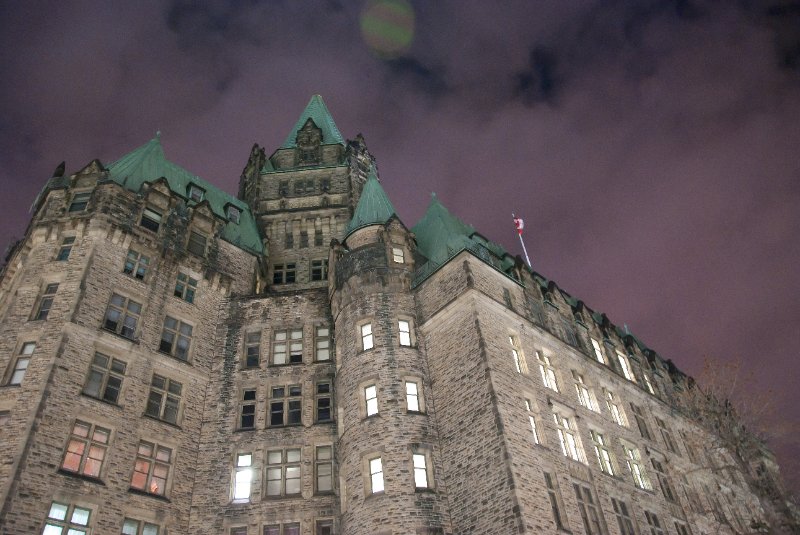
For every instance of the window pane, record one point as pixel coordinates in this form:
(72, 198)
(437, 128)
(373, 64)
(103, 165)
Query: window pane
(58, 511)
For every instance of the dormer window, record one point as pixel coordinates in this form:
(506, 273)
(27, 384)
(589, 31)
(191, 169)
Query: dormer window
(195, 193)
(151, 219)
(234, 214)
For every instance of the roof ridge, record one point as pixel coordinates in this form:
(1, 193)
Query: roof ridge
(317, 111)
(374, 206)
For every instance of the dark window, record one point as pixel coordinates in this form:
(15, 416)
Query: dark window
(325, 185)
(664, 481)
(165, 399)
(286, 406)
(185, 287)
(234, 214)
(136, 265)
(283, 188)
(318, 237)
(122, 315)
(195, 193)
(46, 302)
(555, 499)
(247, 419)
(654, 523)
(289, 241)
(176, 338)
(319, 270)
(667, 436)
(105, 378)
(197, 243)
(590, 513)
(640, 421)
(80, 201)
(284, 273)
(324, 402)
(151, 219)
(623, 517)
(66, 248)
(252, 349)
(303, 239)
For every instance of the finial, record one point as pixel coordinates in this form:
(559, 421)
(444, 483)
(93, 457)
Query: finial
(158, 134)
(433, 195)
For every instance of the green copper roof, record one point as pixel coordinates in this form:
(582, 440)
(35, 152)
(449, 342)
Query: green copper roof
(440, 234)
(148, 164)
(374, 207)
(317, 112)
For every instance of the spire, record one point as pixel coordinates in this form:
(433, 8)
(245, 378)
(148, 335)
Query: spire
(317, 112)
(374, 207)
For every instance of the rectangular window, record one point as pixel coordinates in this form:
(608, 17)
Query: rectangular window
(590, 512)
(5, 417)
(648, 384)
(371, 399)
(285, 406)
(319, 270)
(164, 400)
(151, 219)
(197, 243)
(247, 412)
(324, 527)
(690, 451)
(547, 371)
(323, 465)
(376, 475)
(66, 249)
(323, 402)
(176, 338)
(80, 201)
(666, 434)
(283, 472)
(682, 529)
(322, 344)
(122, 316)
(86, 449)
(398, 255)
(640, 421)
(570, 446)
(555, 501)
(67, 517)
(653, 523)
(136, 265)
(634, 461)
(285, 529)
(138, 527)
(252, 349)
(105, 378)
(303, 239)
(21, 363)
(516, 354)
(420, 470)
(185, 287)
(585, 396)
(234, 214)
(151, 470)
(289, 241)
(602, 452)
(318, 237)
(241, 530)
(598, 352)
(46, 302)
(625, 367)
(366, 336)
(624, 519)
(195, 193)
(532, 420)
(664, 481)
(288, 343)
(242, 477)
(614, 408)
(412, 396)
(404, 328)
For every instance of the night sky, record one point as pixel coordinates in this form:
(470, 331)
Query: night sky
(652, 146)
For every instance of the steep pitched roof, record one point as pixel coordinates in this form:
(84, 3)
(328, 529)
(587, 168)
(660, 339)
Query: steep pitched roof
(317, 112)
(148, 163)
(440, 234)
(374, 206)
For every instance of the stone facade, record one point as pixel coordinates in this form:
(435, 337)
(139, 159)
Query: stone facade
(324, 379)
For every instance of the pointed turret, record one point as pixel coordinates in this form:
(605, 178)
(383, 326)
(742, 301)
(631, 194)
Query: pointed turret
(374, 206)
(317, 111)
(440, 234)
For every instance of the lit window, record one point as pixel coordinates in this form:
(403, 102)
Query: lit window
(590, 512)
(598, 352)
(68, 517)
(602, 452)
(291, 339)
(322, 344)
(640, 421)
(138, 527)
(80, 201)
(252, 349)
(151, 219)
(371, 399)
(197, 243)
(567, 437)
(653, 523)
(164, 400)
(319, 270)
(86, 449)
(624, 519)
(151, 470)
(420, 471)
(323, 402)
(516, 354)
(625, 367)
(195, 193)
(105, 378)
(66, 248)
(366, 336)
(412, 396)
(555, 501)
(234, 214)
(247, 412)
(648, 384)
(243, 476)
(633, 459)
(615, 409)
(283, 472)
(532, 420)
(46, 302)
(376, 475)
(404, 328)
(136, 265)
(547, 371)
(398, 256)
(176, 338)
(185, 287)
(286, 405)
(324, 468)
(122, 316)
(21, 363)
(585, 396)
(284, 273)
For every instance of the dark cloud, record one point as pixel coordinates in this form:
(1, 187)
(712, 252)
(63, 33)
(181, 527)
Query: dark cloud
(539, 82)
(429, 80)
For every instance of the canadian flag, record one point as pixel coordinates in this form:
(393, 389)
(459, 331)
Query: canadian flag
(520, 224)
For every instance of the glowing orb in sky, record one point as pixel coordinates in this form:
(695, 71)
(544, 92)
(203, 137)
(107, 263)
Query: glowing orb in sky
(388, 27)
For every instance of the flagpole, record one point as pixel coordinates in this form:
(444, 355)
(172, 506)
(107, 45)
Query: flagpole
(524, 250)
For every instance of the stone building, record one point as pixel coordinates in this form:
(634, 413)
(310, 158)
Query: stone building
(296, 360)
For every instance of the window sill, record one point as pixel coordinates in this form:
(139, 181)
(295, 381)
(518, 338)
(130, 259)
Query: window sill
(149, 494)
(12, 386)
(322, 422)
(325, 493)
(140, 279)
(284, 497)
(425, 490)
(373, 495)
(241, 503)
(376, 416)
(101, 400)
(118, 335)
(176, 426)
(418, 413)
(273, 365)
(77, 475)
(244, 429)
(185, 361)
